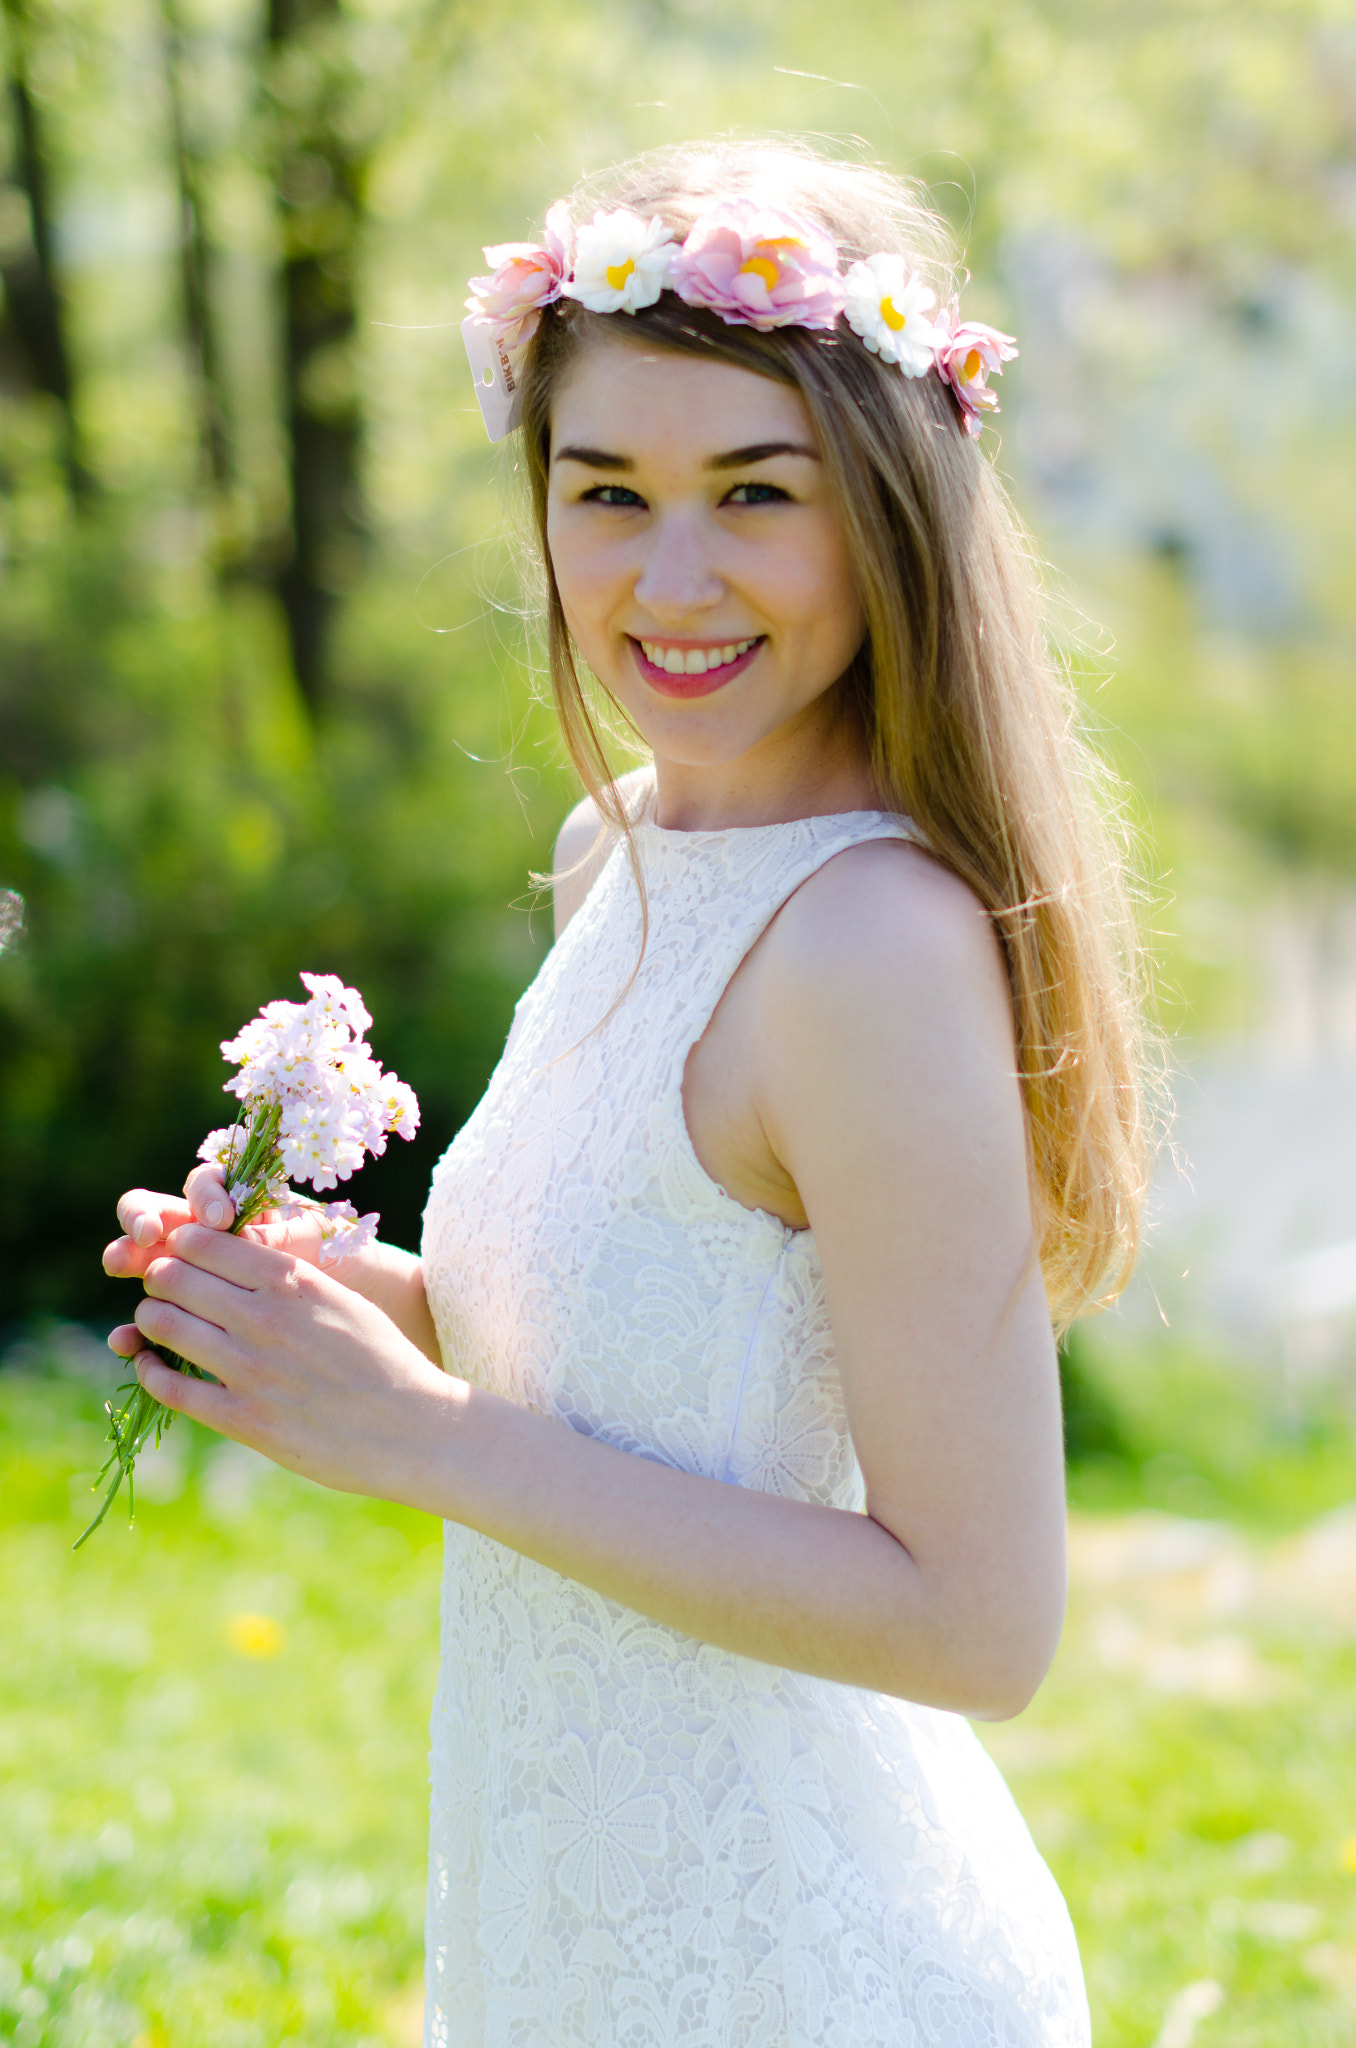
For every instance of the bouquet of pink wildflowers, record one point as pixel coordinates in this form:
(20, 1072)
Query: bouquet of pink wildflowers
(313, 1103)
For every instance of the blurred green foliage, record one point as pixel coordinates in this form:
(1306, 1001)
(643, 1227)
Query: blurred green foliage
(214, 1794)
(218, 1846)
(186, 843)
(191, 816)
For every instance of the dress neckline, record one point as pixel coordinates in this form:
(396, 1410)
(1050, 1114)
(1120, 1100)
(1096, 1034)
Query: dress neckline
(680, 834)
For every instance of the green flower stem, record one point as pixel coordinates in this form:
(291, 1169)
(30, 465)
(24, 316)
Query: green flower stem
(129, 1426)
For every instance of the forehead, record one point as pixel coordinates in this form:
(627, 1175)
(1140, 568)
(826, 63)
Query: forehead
(634, 400)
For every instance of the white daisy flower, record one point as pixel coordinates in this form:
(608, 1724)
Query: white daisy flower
(887, 305)
(621, 262)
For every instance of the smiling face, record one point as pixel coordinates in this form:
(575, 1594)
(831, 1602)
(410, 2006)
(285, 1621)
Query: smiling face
(705, 577)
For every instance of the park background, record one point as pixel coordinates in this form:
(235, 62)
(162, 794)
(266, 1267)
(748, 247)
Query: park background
(268, 702)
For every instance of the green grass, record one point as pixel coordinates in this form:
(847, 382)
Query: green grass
(213, 1740)
(1190, 1775)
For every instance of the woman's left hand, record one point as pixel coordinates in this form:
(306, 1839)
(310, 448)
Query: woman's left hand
(310, 1373)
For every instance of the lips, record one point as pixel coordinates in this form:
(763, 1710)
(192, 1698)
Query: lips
(703, 669)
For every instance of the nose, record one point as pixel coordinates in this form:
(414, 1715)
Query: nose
(679, 574)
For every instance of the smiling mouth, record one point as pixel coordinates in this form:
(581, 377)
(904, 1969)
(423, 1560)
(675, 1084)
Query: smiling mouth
(693, 661)
(692, 671)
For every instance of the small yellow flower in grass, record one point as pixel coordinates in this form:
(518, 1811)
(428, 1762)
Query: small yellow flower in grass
(1347, 1852)
(256, 1635)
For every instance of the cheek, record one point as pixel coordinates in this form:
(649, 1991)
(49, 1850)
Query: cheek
(824, 593)
(585, 574)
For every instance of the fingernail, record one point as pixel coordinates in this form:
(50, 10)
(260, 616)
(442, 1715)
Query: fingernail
(145, 1230)
(216, 1214)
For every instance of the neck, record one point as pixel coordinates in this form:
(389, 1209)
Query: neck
(810, 774)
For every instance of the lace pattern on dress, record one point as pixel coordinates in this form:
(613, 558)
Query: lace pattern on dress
(637, 1840)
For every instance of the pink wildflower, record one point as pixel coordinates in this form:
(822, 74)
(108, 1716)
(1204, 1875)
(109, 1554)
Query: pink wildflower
(526, 277)
(313, 1103)
(759, 267)
(968, 352)
(342, 1230)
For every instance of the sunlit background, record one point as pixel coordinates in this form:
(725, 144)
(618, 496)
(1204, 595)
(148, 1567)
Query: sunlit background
(267, 703)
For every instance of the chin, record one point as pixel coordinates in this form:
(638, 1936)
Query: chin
(693, 750)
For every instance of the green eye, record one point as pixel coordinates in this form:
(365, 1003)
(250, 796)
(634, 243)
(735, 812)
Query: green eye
(758, 494)
(611, 494)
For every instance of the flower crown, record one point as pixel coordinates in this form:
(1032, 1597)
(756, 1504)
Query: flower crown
(757, 266)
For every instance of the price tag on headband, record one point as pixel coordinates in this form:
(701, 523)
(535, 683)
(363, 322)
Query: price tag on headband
(492, 369)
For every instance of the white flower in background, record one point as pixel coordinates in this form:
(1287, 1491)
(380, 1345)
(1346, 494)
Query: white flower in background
(220, 1148)
(887, 304)
(621, 262)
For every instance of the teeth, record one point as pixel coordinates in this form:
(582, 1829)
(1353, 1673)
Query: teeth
(694, 661)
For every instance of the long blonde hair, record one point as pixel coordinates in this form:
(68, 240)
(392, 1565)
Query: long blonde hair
(971, 726)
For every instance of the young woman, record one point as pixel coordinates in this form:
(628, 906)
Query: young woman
(729, 1359)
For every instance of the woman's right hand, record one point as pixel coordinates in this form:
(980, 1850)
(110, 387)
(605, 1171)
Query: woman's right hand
(391, 1279)
(147, 1220)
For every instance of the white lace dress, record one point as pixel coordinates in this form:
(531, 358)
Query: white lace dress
(639, 1841)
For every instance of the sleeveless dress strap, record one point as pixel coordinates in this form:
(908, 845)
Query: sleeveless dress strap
(762, 868)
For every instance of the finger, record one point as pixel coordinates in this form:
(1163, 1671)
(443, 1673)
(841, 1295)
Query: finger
(186, 1396)
(242, 1260)
(208, 1200)
(299, 1235)
(222, 1303)
(125, 1260)
(148, 1217)
(126, 1341)
(200, 1342)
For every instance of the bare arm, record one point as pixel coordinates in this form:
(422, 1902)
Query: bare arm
(888, 1088)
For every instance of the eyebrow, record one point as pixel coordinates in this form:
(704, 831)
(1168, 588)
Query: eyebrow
(733, 458)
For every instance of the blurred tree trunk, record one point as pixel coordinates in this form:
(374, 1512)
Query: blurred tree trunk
(320, 167)
(33, 304)
(195, 267)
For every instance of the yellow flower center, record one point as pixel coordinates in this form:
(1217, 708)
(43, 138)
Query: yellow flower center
(617, 273)
(891, 315)
(974, 363)
(760, 266)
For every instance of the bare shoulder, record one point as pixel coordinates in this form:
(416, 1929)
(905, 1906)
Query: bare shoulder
(882, 1021)
(582, 846)
(884, 927)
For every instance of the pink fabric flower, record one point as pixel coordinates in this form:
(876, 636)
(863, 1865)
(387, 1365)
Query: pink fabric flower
(967, 353)
(759, 267)
(526, 277)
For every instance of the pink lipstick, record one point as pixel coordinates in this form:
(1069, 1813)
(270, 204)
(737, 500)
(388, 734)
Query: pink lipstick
(684, 684)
